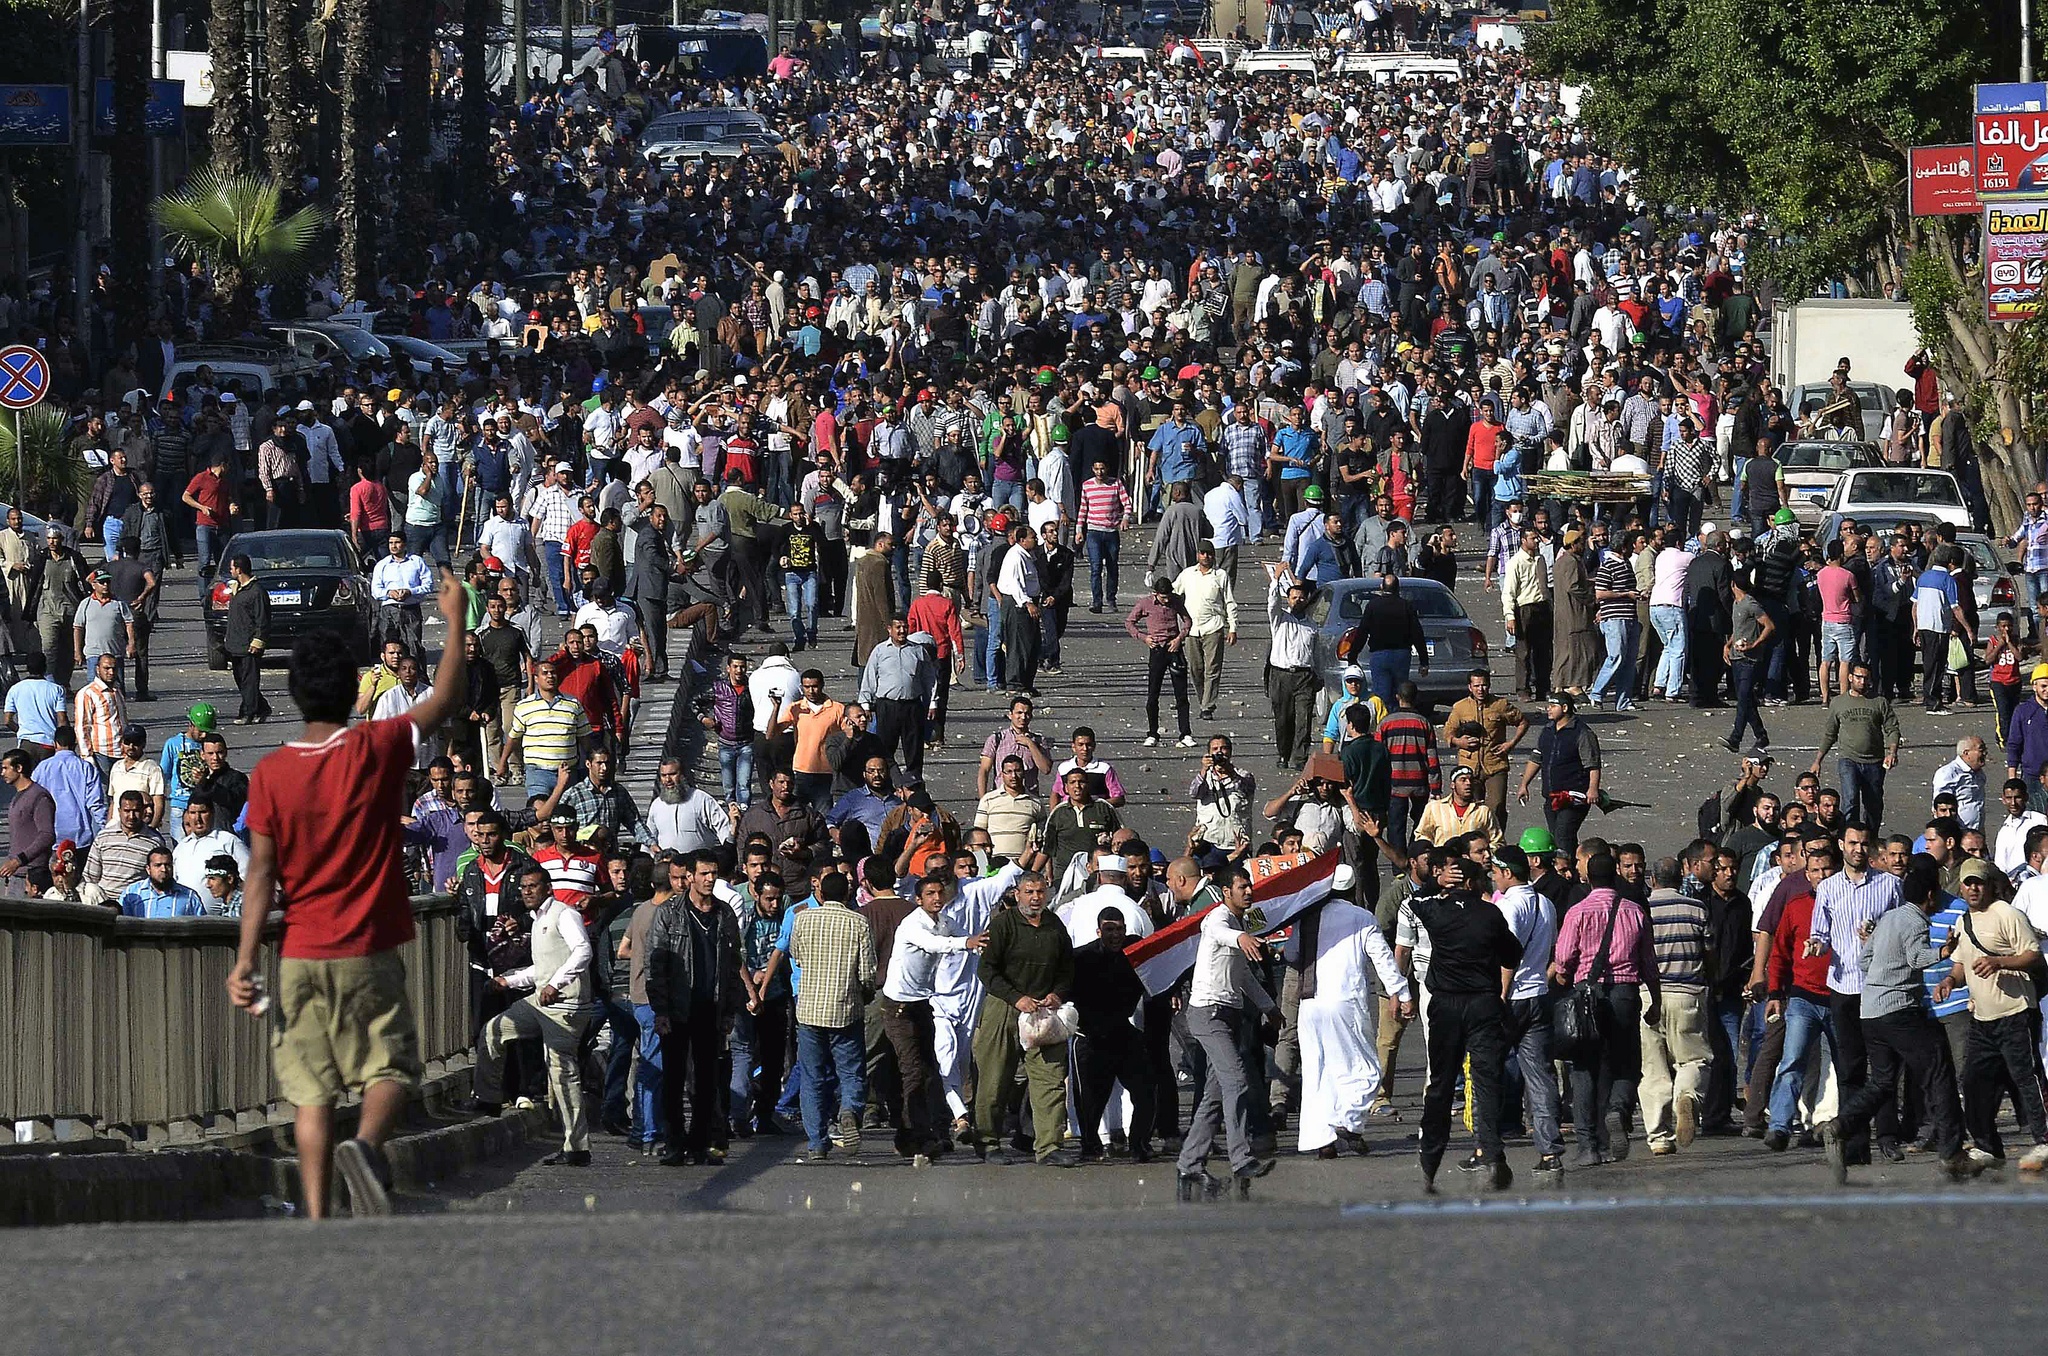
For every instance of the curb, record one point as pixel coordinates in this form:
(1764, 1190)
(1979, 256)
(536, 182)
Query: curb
(215, 1183)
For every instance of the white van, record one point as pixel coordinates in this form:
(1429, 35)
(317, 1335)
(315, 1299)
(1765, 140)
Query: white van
(269, 371)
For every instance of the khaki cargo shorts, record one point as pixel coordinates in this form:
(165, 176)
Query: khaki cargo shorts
(342, 1025)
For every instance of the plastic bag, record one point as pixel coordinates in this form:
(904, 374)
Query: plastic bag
(1047, 1026)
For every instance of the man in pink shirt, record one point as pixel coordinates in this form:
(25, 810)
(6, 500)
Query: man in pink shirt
(1667, 618)
(1838, 599)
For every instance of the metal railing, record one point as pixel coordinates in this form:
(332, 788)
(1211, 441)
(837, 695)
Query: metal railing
(124, 1024)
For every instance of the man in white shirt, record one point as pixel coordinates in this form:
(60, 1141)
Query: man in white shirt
(400, 581)
(2009, 851)
(1222, 987)
(923, 938)
(508, 539)
(618, 627)
(1083, 913)
(1017, 585)
(1291, 680)
(403, 697)
(555, 1013)
(683, 818)
(200, 844)
(1211, 604)
(1231, 523)
(1335, 947)
(1533, 920)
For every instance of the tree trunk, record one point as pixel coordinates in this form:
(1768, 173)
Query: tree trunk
(473, 171)
(128, 170)
(355, 195)
(415, 52)
(227, 42)
(289, 108)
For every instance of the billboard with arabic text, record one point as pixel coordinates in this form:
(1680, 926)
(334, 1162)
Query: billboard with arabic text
(2015, 246)
(2012, 140)
(1941, 181)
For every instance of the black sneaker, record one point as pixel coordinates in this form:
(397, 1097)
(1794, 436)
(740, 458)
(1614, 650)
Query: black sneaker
(368, 1174)
(1473, 1162)
(1550, 1163)
(1777, 1141)
(1503, 1176)
(1617, 1136)
(567, 1158)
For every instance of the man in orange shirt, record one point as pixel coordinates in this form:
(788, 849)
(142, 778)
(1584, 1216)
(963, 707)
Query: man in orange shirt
(1482, 448)
(811, 717)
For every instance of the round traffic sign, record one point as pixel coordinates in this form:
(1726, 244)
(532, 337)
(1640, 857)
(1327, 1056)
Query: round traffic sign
(24, 377)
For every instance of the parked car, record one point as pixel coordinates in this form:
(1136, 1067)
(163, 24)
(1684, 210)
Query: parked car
(422, 352)
(268, 370)
(693, 132)
(1868, 490)
(1456, 645)
(316, 581)
(1812, 468)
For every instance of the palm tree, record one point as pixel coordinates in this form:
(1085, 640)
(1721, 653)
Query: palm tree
(41, 469)
(473, 170)
(238, 226)
(228, 41)
(355, 199)
(288, 114)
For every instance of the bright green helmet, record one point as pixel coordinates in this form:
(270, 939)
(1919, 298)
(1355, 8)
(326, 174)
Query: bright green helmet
(202, 716)
(1536, 839)
(1782, 517)
(1059, 433)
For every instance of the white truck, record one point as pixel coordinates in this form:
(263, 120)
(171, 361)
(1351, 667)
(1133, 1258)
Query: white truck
(1876, 336)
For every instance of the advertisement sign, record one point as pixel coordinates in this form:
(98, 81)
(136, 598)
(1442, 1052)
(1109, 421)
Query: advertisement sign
(162, 116)
(1941, 181)
(2015, 244)
(35, 115)
(2012, 140)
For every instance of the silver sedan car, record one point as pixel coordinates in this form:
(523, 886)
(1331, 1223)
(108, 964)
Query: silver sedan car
(1455, 643)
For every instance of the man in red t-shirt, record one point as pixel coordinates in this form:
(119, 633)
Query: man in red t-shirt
(206, 494)
(324, 834)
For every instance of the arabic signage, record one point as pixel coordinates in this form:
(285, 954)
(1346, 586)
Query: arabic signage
(1941, 181)
(162, 116)
(2015, 246)
(35, 115)
(2012, 140)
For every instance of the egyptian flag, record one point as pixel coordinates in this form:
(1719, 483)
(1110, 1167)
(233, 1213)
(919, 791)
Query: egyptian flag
(1281, 888)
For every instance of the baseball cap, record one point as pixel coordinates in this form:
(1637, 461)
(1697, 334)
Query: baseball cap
(563, 815)
(1352, 671)
(1758, 754)
(202, 715)
(1535, 838)
(1978, 868)
(227, 397)
(131, 733)
(305, 407)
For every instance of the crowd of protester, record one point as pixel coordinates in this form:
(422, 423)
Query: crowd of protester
(898, 395)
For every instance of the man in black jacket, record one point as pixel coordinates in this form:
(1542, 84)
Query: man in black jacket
(243, 636)
(487, 889)
(1106, 992)
(653, 572)
(1470, 945)
(694, 988)
(1709, 604)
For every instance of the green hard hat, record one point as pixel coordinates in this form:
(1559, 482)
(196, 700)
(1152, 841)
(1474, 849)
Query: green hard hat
(1314, 494)
(1149, 374)
(1535, 839)
(202, 715)
(1781, 517)
(1059, 433)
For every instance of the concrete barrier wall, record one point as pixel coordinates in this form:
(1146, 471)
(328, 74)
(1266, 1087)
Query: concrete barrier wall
(125, 1023)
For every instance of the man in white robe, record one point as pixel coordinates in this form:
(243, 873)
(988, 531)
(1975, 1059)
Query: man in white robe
(956, 996)
(1333, 946)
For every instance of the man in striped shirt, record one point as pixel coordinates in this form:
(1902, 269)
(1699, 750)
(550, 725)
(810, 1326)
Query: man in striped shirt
(100, 712)
(1413, 769)
(551, 515)
(1245, 447)
(574, 868)
(1105, 508)
(547, 731)
(1675, 1048)
(120, 856)
(835, 949)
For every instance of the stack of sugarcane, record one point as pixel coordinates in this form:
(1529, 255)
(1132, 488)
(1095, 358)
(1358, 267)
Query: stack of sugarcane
(1599, 487)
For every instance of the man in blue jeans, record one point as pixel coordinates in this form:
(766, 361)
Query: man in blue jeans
(836, 949)
(761, 1030)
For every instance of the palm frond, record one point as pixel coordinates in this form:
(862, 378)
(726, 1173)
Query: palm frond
(41, 468)
(238, 221)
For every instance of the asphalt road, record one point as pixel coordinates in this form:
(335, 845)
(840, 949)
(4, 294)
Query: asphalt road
(1724, 1241)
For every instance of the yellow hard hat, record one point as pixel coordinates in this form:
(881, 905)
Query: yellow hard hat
(2040, 672)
